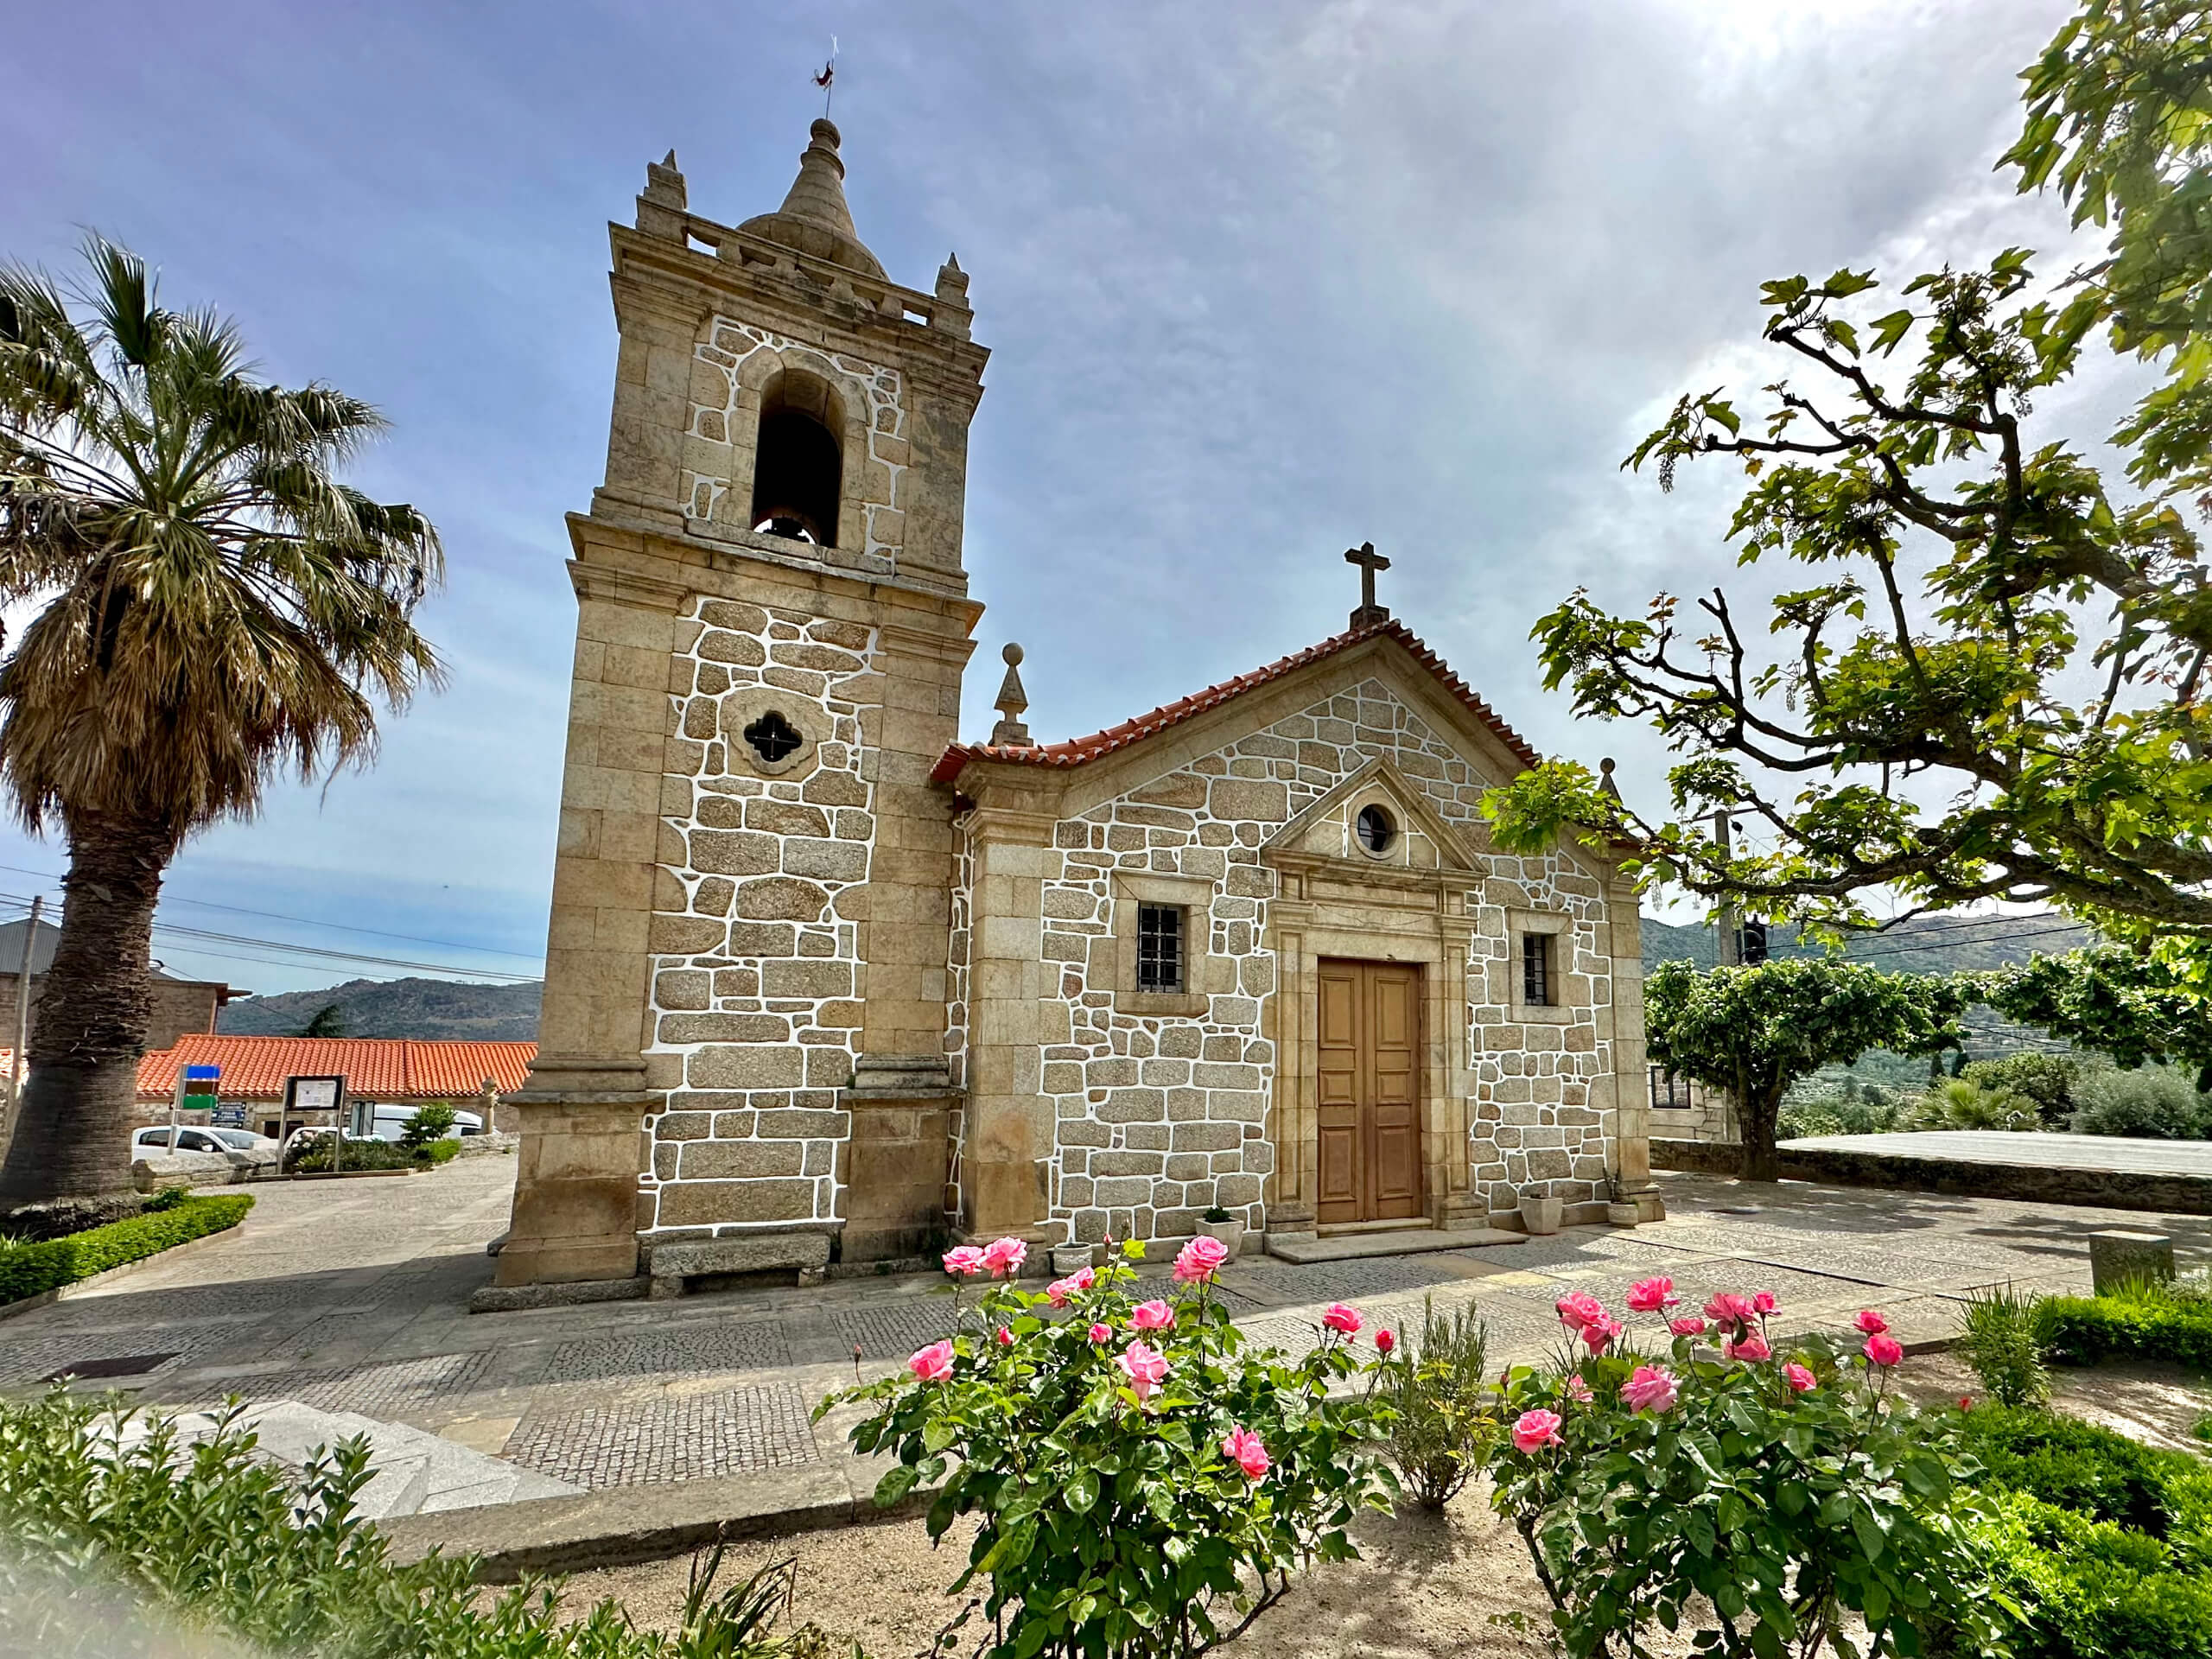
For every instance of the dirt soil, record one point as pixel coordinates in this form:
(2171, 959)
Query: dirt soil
(1427, 1586)
(2152, 1400)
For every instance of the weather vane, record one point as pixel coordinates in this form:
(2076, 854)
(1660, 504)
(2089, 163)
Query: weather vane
(829, 74)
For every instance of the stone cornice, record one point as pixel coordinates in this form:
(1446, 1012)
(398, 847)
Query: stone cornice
(1009, 826)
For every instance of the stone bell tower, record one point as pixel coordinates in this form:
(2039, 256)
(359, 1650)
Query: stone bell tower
(747, 947)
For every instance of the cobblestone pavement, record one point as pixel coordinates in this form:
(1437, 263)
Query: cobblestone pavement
(352, 1296)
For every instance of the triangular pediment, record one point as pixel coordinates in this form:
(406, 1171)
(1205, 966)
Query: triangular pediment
(1419, 839)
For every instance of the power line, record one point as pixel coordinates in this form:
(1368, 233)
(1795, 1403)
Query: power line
(309, 921)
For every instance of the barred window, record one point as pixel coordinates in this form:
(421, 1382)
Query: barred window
(1669, 1092)
(1536, 969)
(1159, 947)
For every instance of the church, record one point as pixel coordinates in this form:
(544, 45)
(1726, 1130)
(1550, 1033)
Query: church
(826, 983)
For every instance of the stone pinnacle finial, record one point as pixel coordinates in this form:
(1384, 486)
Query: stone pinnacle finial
(660, 208)
(1013, 702)
(815, 218)
(1605, 777)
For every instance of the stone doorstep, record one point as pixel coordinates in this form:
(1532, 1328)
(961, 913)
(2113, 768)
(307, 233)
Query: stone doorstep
(1351, 1246)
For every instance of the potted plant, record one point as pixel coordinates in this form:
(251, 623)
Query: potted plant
(1073, 1258)
(1620, 1209)
(1540, 1209)
(1218, 1223)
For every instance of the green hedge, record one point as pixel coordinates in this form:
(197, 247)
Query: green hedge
(2146, 1325)
(30, 1269)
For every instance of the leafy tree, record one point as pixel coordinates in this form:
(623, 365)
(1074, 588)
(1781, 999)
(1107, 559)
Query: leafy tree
(1989, 685)
(218, 608)
(2136, 1007)
(433, 1120)
(329, 1021)
(1757, 1031)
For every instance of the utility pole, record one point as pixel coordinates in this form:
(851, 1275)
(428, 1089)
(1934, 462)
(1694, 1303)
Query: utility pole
(1730, 953)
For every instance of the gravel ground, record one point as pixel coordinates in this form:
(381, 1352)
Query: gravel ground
(1426, 1585)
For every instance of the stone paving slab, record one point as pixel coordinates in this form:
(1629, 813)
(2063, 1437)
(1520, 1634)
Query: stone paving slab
(670, 1438)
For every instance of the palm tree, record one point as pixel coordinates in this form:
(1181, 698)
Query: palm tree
(219, 610)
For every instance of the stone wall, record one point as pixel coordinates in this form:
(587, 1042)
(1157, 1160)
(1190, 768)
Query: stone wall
(755, 963)
(1155, 1115)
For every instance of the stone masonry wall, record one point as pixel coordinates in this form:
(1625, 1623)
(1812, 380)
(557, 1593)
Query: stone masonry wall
(755, 965)
(1159, 1117)
(711, 441)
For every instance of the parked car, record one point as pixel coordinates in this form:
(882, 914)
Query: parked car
(388, 1122)
(155, 1142)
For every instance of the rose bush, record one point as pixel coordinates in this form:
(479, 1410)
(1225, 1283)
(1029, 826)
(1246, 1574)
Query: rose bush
(1128, 1460)
(1778, 1479)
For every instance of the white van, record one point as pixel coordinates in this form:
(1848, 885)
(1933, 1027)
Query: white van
(385, 1122)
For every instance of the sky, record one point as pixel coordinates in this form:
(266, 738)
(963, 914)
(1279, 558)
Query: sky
(1262, 279)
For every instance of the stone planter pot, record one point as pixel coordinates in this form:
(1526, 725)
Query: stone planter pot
(1072, 1258)
(1230, 1234)
(1621, 1215)
(1541, 1216)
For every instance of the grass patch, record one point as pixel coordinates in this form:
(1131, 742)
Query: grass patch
(30, 1269)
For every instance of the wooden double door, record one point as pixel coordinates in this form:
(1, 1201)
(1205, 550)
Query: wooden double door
(1369, 1024)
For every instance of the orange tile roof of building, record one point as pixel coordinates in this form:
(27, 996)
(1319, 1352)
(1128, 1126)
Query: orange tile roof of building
(1078, 750)
(375, 1068)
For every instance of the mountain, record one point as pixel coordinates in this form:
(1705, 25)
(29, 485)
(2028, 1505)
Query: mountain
(395, 1008)
(1926, 944)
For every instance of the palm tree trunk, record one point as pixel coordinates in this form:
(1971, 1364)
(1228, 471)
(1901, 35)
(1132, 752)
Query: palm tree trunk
(73, 1129)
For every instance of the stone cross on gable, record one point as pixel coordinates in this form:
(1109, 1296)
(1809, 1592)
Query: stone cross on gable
(1369, 562)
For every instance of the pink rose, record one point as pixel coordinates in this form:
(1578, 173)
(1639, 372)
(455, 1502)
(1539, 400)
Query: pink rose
(1882, 1349)
(1246, 1449)
(1601, 1333)
(1535, 1429)
(1385, 1340)
(1801, 1380)
(1084, 1278)
(1578, 1308)
(1143, 1367)
(1652, 1295)
(1337, 1317)
(1728, 1308)
(1005, 1255)
(1155, 1315)
(1650, 1389)
(1748, 1347)
(1765, 1303)
(1100, 1334)
(1578, 1391)
(966, 1260)
(1058, 1291)
(1871, 1323)
(1200, 1259)
(1006, 1337)
(1691, 1326)
(932, 1364)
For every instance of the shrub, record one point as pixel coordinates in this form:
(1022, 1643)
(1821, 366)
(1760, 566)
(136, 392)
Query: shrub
(1999, 1340)
(2150, 1322)
(1145, 1486)
(1855, 1110)
(433, 1121)
(2046, 1080)
(1957, 1103)
(1785, 1491)
(2153, 1102)
(229, 1540)
(311, 1154)
(2091, 1589)
(2076, 1466)
(30, 1269)
(1446, 1424)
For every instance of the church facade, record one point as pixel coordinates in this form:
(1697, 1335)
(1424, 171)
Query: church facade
(825, 982)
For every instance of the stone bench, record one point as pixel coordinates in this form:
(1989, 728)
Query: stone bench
(672, 1264)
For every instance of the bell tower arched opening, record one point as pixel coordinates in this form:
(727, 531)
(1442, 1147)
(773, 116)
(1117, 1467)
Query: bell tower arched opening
(798, 463)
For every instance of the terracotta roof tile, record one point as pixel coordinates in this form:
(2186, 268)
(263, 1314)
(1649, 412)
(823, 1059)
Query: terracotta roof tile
(1079, 751)
(375, 1068)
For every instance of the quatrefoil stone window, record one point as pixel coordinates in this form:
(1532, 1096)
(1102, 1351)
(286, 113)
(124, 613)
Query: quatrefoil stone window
(772, 737)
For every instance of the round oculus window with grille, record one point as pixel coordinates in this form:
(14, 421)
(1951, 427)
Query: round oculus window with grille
(1377, 830)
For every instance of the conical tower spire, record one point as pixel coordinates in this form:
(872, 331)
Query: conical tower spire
(815, 218)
